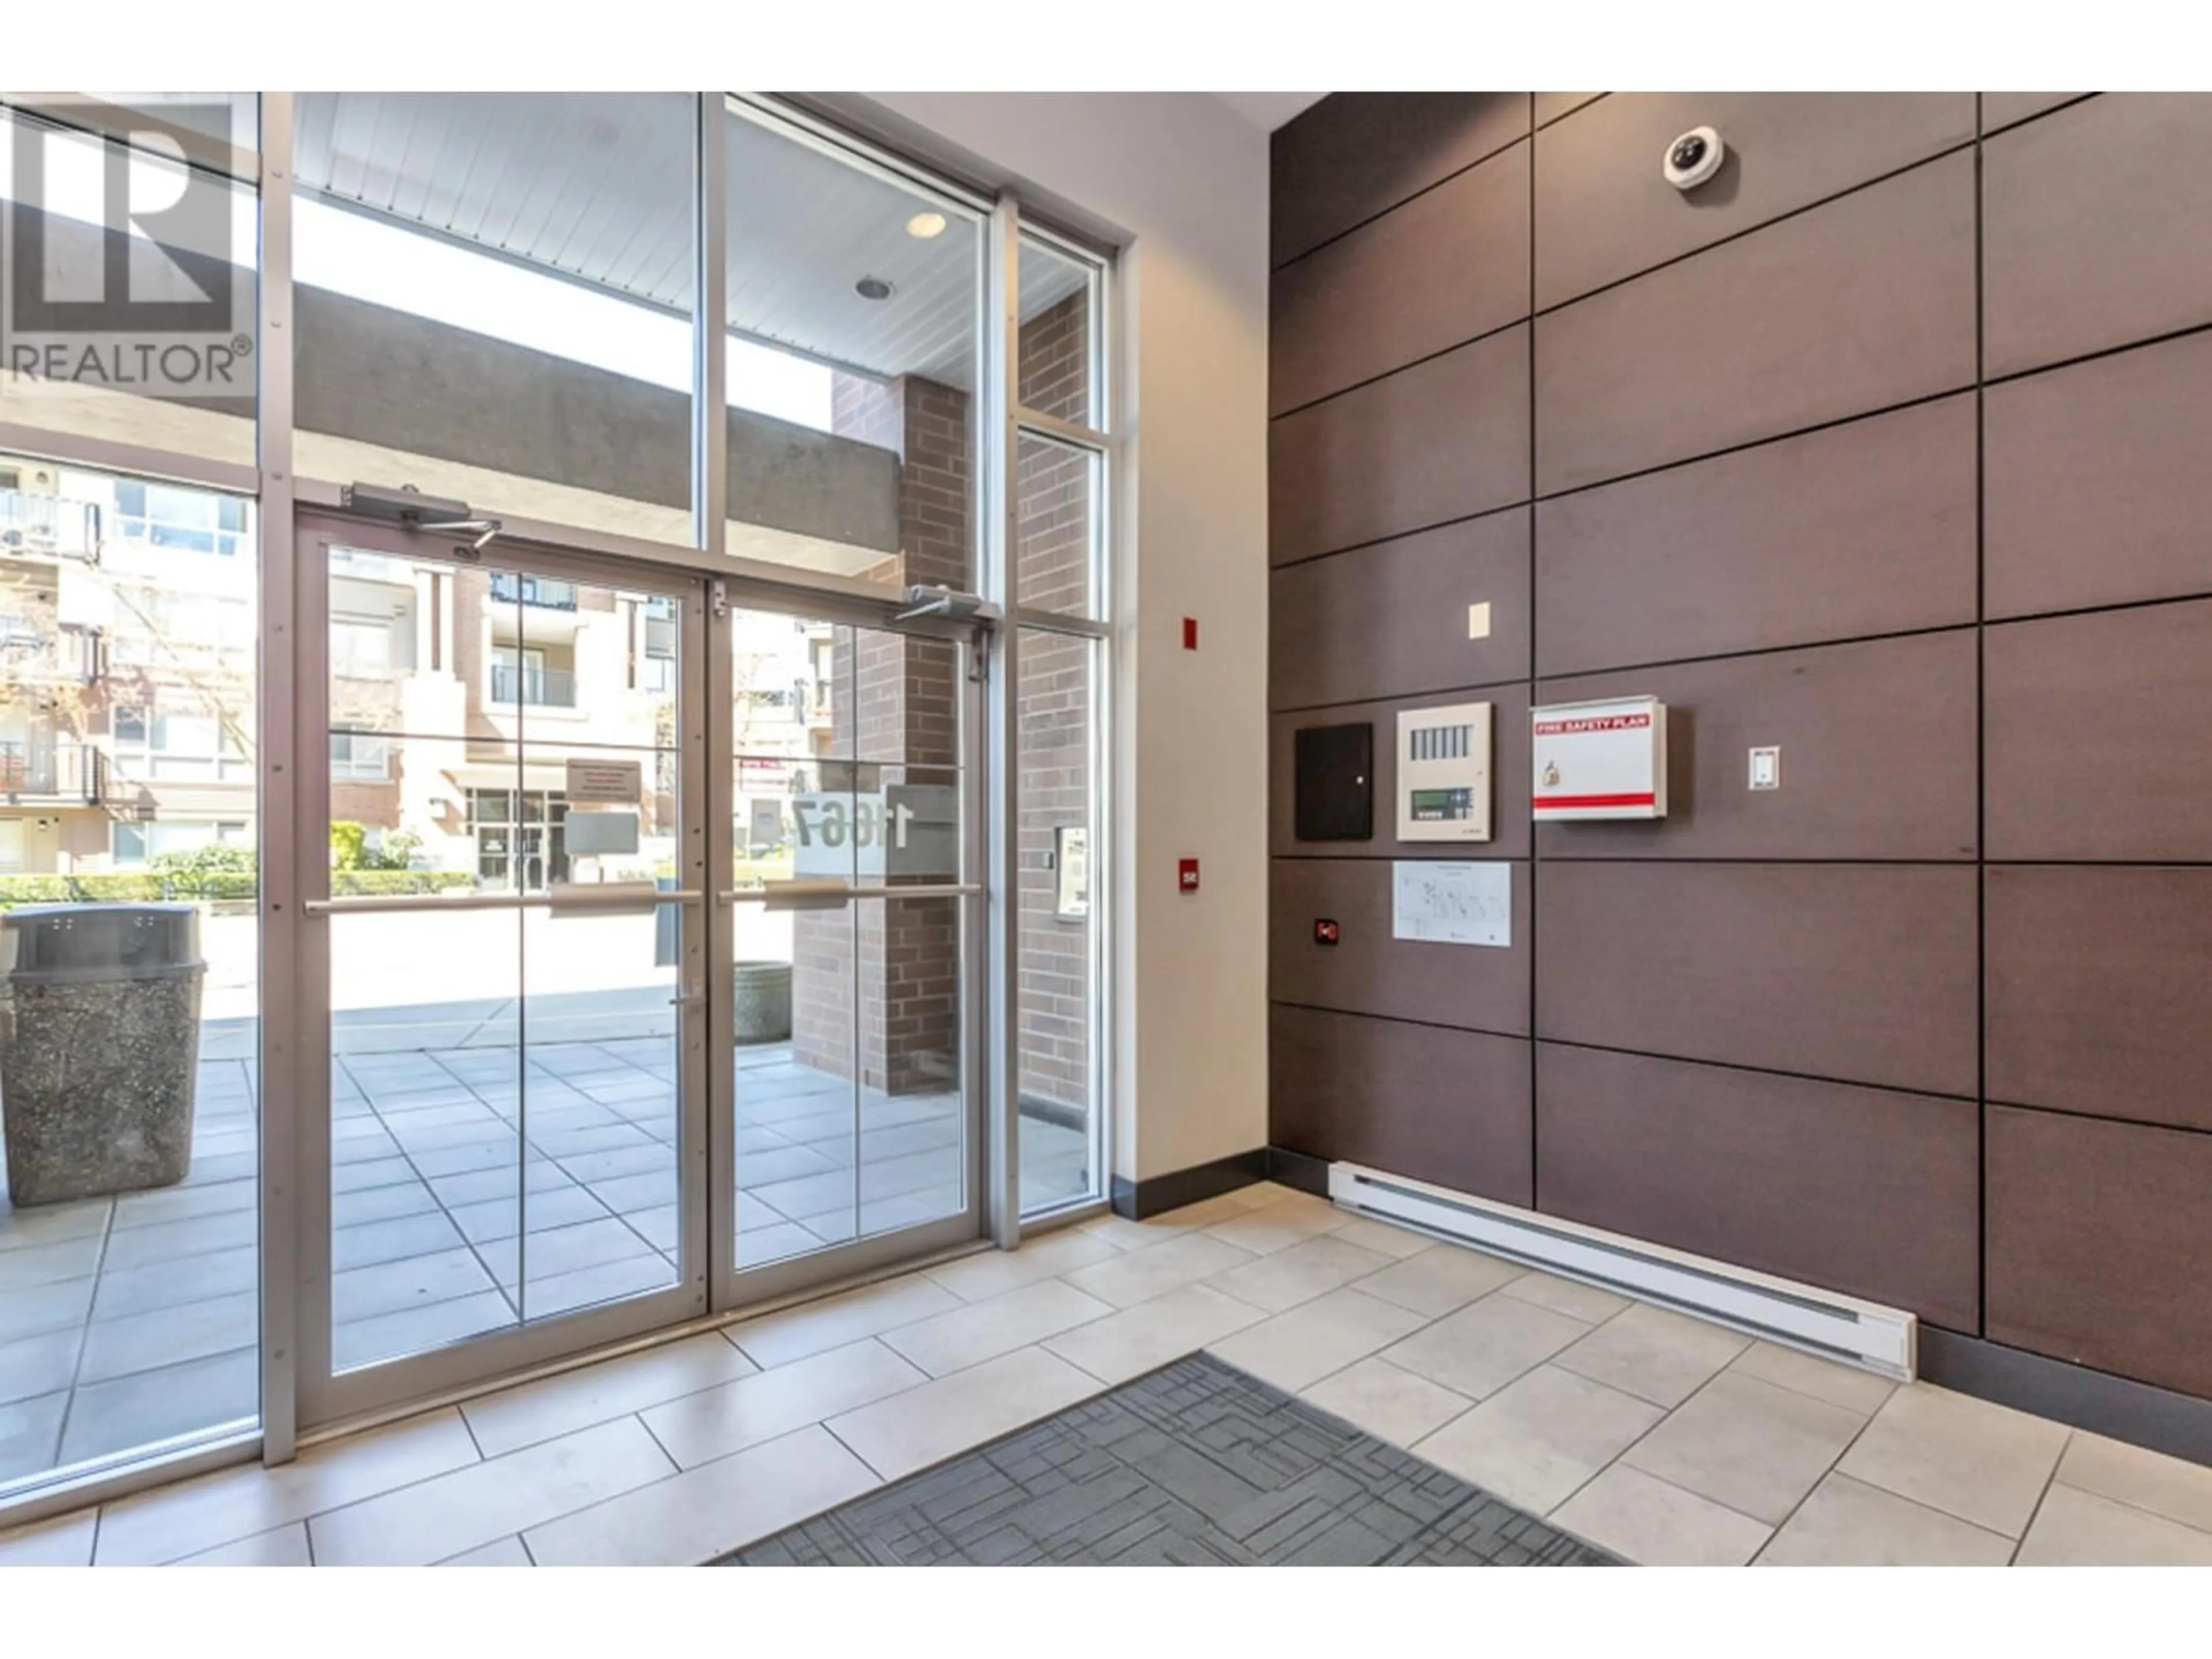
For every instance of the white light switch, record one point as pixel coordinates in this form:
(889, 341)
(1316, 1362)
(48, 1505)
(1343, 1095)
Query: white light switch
(1478, 620)
(1767, 769)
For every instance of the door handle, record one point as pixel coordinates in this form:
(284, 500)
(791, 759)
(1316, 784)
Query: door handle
(688, 999)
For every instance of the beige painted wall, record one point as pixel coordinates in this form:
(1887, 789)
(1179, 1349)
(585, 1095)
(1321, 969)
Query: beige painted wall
(1180, 182)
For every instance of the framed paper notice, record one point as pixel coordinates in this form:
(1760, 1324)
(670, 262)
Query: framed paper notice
(1452, 904)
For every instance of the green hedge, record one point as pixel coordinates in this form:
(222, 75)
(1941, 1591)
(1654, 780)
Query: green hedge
(150, 887)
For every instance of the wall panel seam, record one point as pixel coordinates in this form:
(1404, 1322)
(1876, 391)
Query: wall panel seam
(1400, 1019)
(1519, 505)
(1739, 1065)
(1928, 159)
(1520, 319)
(2081, 1117)
(1382, 213)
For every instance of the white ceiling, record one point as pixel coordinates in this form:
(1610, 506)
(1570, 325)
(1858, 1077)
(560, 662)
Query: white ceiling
(1269, 110)
(596, 186)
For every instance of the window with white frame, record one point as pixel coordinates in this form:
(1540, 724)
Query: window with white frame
(135, 845)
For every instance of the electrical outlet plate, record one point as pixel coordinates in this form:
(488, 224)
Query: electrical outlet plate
(1767, 769)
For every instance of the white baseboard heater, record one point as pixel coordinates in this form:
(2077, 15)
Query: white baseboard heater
(1838, 1327)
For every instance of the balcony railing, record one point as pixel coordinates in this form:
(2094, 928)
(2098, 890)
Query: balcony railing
(508, 588)
(53, 771)
(549, 688)
(43, 527)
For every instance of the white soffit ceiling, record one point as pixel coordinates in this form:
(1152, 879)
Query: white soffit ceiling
(596, 186)
(1269, 110)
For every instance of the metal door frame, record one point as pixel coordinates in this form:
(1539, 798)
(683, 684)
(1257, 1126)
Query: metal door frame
(709, 1280)
(326, 1397)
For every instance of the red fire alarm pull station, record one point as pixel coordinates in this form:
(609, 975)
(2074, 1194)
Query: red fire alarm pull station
(1190, 632)
(1187, 875)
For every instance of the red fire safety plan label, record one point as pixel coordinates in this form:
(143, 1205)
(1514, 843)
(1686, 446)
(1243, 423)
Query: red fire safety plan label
(1600, 759)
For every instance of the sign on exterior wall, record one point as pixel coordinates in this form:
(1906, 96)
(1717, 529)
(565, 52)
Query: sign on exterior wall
(1600, 759)
(1071, 860)
(905, 831)
(606, 782)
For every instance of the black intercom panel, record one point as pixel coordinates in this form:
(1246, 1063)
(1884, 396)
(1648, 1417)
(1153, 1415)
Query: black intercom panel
(1334, 785)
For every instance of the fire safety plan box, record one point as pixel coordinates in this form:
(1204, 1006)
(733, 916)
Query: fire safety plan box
(1600, 759)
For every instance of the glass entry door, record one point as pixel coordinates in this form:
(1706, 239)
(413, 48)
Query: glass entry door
(506, 958)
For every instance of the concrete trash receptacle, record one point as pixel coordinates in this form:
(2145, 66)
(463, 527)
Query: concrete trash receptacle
(99, 1044)
(763, 1000)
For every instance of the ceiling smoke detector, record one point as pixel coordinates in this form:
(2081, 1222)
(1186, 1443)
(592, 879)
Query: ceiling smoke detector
(872, 288)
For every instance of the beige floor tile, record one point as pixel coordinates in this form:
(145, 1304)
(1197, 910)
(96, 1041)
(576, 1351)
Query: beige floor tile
(2145, 1480)
(1385, 1237)
(993, 1273)
(2074, 1528)
(280, 1546)
(1654, 1353)
(1127, 1345)
(1538, 1439)
(1137, 1276)
(1657, 1525)
(1748, 1444)
(1286, 1278)
(450, 1513)
(1847, 1523)
(708, 1511)
(715, 1422)
(195, 1516)
(64, 1541)
(1984, 1463)
(1388, 1403)
(1289, 1221)
(1439, 1280)
(1568, 1296)
(983, 1330)
(1847, 1386)
(1296, 1349)
(1486, 1344)
(812, 1328)
(500, 1552)
(927, 1424)
(1261, 1193)
(1123, 1234)
(514, 1418)
(1204, 1214)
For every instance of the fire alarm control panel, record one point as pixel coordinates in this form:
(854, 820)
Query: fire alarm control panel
(1444, 773)
(1600, 759)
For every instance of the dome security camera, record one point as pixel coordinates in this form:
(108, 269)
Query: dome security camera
(1694, 158)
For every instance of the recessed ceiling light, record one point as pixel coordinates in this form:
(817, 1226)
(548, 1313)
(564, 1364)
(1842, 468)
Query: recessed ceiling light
(925, 225)
(872, 288)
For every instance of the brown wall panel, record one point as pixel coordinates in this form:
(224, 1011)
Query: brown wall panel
(1392, 618)
(1862, 973)
(1424, 277)
(1478, 986)
(1604, 210)
(1551, 105)
(1509, 777)
(1445, 1106)
(2094, 735)
(2096, 227)
(1443, 440)
(2099, 481)
(2100, 990)
(1865, 528)
(1868, 1191)
(2003, 109)
(1878, 753)
(2100, 1245)
(1356, 154)
(1866, 301)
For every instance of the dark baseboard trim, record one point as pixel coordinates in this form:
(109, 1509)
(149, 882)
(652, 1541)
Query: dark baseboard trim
(1139, 1199)
(2179, 1425)
(1302, 1170)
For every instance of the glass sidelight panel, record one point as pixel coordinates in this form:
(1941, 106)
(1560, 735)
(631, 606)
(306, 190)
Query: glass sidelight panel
(130, 968)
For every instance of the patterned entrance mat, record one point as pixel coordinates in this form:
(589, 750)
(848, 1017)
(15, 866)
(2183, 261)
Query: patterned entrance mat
(1196, 1464)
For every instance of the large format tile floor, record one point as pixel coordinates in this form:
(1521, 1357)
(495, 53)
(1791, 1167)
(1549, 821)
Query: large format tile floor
(127, 1321)
(1658, 1437)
